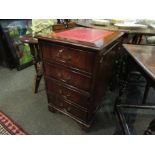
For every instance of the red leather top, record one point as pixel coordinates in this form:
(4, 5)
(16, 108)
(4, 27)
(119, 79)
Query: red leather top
(84, 34)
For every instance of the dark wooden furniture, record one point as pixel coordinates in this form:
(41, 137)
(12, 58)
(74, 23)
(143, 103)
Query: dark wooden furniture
(143, 56)
(33, 43)
(77, 73)
(60, 26)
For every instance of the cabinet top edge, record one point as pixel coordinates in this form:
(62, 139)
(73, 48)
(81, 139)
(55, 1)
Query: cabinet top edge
(98, 44)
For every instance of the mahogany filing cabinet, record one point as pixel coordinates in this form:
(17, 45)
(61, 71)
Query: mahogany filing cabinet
(77, 70)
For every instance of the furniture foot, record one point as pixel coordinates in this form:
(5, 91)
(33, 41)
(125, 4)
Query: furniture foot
(37, 82)
(84, 127)
(51, 109)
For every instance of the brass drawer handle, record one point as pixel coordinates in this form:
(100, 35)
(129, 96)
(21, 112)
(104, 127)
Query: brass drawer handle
(60, 56)
(61, 50)
(59, 53)
(64, 79)
(65, 60)
(66, 96)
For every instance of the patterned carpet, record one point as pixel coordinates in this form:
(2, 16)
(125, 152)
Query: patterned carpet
(8, 127)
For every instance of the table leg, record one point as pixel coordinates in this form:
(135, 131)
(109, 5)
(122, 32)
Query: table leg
(122, 121)
(37, 82)
(123, 76)
(137, 39)
(37, 64)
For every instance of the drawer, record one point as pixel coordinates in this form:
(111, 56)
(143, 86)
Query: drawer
(67, 76)
(67, 93)
(67, 108)
(76, 58)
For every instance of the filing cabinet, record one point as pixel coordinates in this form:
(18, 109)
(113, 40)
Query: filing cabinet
(77, 75)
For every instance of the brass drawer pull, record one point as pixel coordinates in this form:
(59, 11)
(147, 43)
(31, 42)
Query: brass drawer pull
(66, 96)
(61, 56)
(59, 53)
(61, 50)
(64, 79)
(64, 60)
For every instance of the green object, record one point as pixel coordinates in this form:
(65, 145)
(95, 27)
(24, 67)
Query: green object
(26, 54)
(43, 26)
(13, 32)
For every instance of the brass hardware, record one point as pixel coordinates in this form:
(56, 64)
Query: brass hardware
(64, 60)
(63, 78)
(61, 58)
(66, 79)
(68, 95)
(60, 51)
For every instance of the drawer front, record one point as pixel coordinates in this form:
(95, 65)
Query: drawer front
(83, 60)
(54, 100)
(67, 93)
(67, 107)
(67, 76)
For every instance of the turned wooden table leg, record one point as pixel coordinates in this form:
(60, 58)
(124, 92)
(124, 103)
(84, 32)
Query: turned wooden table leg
(37, 82)
(37, 64)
